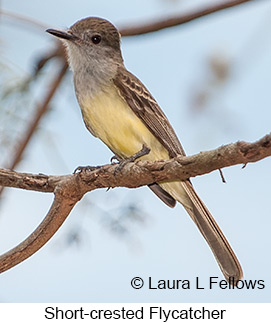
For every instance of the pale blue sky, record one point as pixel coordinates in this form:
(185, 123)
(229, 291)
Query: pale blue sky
(173, 65)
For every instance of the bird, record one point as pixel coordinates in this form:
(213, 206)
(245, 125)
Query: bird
(118, 109)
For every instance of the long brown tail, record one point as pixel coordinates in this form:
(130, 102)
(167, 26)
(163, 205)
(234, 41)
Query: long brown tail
(184, 193)
(221, 248)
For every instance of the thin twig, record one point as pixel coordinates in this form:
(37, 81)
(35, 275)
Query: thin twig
(222, 176)
(179, 20)
(40, 111)
(32, 126)
(23, 19)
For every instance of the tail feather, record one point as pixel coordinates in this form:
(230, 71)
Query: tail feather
(163, 195)
(226, 258)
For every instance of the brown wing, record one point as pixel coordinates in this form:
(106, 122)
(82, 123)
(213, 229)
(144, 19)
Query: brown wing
(147, 109)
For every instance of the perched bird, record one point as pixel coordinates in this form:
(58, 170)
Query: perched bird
(118, 109)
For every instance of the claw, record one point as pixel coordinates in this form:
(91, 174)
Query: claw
(81, 169)
(115, 157)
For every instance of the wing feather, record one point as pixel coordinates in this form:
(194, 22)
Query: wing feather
(147, 109)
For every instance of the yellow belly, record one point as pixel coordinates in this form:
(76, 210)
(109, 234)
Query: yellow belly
(111, 119)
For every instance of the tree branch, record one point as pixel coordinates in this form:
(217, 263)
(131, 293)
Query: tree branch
(57, 214)
(179, 20)
(40, 111)
(69, 189)
(33, 124)
(142, 173)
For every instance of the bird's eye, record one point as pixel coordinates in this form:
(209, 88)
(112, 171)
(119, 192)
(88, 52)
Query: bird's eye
(96, 39)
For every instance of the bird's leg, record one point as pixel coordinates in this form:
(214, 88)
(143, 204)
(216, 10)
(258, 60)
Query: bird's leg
(123, 161)
(144, 151)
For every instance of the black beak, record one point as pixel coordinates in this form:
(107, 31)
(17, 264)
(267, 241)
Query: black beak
(61, 34)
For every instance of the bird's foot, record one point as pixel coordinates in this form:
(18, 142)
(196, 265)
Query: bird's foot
(122, 162)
